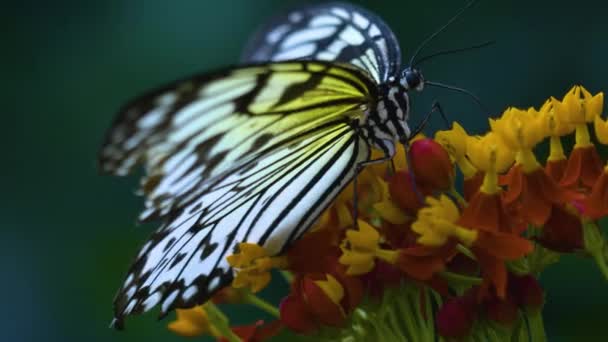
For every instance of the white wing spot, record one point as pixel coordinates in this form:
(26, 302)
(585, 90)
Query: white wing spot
(152, 118)
(308, 35)
(276, 34)
(167, 99)
(352, 36)
(190, 292)
(169, 300)
(151, 301)
(214, 283)
(360, 20)
(340, 12)
(323, 20)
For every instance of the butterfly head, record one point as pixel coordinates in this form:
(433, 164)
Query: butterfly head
(411, 78)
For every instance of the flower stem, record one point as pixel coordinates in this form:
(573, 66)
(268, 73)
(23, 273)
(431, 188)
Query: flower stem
(537, 326)
(220, 321)
(287, 275)
(254, 300)
(454, 193)
(462, 249)
(595, 245)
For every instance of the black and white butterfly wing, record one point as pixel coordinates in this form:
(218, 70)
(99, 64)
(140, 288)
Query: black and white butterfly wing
(329, 32)
(250, 154)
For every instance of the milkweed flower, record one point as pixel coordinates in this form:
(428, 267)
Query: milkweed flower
(193, 322)
(424, 259)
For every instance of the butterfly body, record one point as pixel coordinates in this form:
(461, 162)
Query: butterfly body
(255, 153)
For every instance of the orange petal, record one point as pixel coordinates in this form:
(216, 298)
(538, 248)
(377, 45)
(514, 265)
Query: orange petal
(596, 204)
(556, 168)
(503, 246)
(562, 232)
(493, 271)
(583, 168)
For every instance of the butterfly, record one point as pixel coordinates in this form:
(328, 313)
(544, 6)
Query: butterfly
(255, 153)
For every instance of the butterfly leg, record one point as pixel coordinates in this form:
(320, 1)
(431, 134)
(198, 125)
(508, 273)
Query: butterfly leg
(436, 107)
(388, 147)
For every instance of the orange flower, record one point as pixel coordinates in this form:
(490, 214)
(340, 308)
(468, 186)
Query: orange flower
(320, 299)
(535, 193)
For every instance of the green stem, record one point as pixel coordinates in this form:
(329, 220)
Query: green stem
(287, 275)
(220, 321)
(254, 300)
(595, 245)
(455, 277)
(463, 203)
(462, 249)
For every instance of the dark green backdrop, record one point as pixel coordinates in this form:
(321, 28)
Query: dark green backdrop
(68, 234)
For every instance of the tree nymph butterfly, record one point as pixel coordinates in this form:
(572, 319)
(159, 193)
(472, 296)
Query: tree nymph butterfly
(256, 152)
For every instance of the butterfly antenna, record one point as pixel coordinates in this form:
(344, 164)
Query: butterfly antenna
(460, 90)
(451, 51)
(441, 29)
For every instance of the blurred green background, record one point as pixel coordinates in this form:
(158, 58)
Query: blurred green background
(68, 234)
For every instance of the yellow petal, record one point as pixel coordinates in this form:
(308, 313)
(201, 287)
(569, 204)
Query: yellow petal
(365, 238)
(601, 129)
(332, 288)
(391, 212)
(192, 323)
(454, 141)
(593, 104)
(488, 153)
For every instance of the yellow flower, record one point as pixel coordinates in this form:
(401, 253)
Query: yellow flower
(578, 106)
(363, 248)
(593, 104)
(455, 142)
(520, 129)
(488, 153)
(554, 126)
(390, 211)
(193, 322)
(436, 224)
(253, 264)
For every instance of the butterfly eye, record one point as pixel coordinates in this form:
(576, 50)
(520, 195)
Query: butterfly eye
(412, 79)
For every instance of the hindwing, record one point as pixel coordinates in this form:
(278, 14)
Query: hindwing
(330, 32)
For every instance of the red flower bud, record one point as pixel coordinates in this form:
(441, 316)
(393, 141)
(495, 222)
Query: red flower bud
(526, 292)
(455, 318)
(431, 164)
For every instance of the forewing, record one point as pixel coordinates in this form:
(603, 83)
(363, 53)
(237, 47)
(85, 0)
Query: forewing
(270, 201)
(193, 131)
(330, 32)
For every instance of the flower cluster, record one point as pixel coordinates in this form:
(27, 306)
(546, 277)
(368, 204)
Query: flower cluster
(421, 258)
